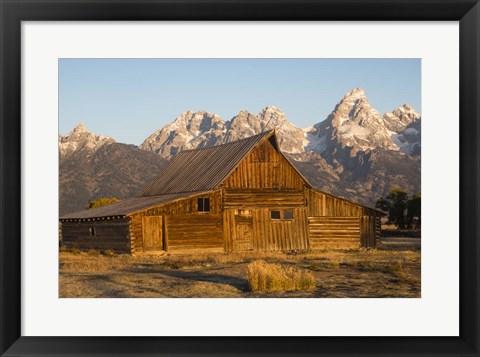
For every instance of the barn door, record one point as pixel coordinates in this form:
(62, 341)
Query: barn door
(152, 233)
(243, 233)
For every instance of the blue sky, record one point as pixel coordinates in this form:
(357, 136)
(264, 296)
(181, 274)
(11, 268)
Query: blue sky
(128, 99)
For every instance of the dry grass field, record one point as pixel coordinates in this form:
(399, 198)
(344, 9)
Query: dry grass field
(391, 271)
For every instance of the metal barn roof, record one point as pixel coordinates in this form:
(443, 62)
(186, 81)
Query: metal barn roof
(202, 169)
(126, 206)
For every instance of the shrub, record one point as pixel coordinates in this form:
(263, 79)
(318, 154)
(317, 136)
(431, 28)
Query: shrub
(273, 277)
(104, 201)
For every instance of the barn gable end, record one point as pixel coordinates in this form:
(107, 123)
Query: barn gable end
(263, 185)
(265, 168)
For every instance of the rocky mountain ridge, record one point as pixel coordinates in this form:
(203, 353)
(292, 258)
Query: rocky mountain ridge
(80, 139)
(353, 123)
(191, 130)
(94, 166)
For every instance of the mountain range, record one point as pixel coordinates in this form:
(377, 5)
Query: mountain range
(355, 152)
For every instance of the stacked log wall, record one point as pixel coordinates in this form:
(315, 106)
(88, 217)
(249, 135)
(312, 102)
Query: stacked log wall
(202, 232)
(334, 232)
(113, 234)
(338, 223)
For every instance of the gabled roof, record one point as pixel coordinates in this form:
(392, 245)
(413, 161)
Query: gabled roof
(206, 168)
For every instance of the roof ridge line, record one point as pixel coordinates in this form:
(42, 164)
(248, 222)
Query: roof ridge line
(229, 143)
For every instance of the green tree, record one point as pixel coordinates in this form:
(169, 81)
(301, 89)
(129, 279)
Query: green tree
(395, 204)
(414, 212)
(104, 201)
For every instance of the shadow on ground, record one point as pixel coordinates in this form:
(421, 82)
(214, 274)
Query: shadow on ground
(239, 283)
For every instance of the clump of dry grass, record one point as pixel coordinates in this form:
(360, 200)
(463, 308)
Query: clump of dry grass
(365, 265)
(334, 264)
(75, 251)
(273, 277)
(395, 267)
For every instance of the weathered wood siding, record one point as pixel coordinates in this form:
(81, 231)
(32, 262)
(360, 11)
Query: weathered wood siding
(267, 234)
(337, 223)
(263, 198)
(334, 232)
(262, 182)
(378, 232)
(152, 233)
(195, 232)
(187, 206)
(370, 227)
(111, 234)
(320, 204)
(263, 168)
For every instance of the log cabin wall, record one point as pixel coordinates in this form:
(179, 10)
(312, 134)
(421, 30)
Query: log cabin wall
(183, 212)
(203, 232)
(103, 234)
(337, 223)
(327, 232)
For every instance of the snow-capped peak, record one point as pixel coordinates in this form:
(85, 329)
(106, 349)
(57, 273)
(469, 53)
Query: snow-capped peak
(357, 93)
(271, 108)
(399, 118)
(80, 128)
(81, 139)
(246, 124)
(189, 130)
(273, 117)
(353, 123)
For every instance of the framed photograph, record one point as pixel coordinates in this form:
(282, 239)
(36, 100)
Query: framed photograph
(239, 178)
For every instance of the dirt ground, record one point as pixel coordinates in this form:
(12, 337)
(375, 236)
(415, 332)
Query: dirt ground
(394, 270)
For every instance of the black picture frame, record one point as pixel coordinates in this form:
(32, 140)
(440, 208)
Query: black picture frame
(13, 12)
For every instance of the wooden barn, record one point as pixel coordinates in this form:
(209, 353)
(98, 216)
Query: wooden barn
(240, 196)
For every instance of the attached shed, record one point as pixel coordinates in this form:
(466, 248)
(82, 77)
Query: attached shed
(240, 196)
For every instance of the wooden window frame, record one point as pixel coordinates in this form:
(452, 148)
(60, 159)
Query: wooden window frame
(279, 215)
(203, 200)
(287, 219)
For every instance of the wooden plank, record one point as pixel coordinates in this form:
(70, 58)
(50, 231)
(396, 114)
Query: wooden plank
(193, 231)
(334, 232)
(258, 170)
(152, 233)
(165, 233)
